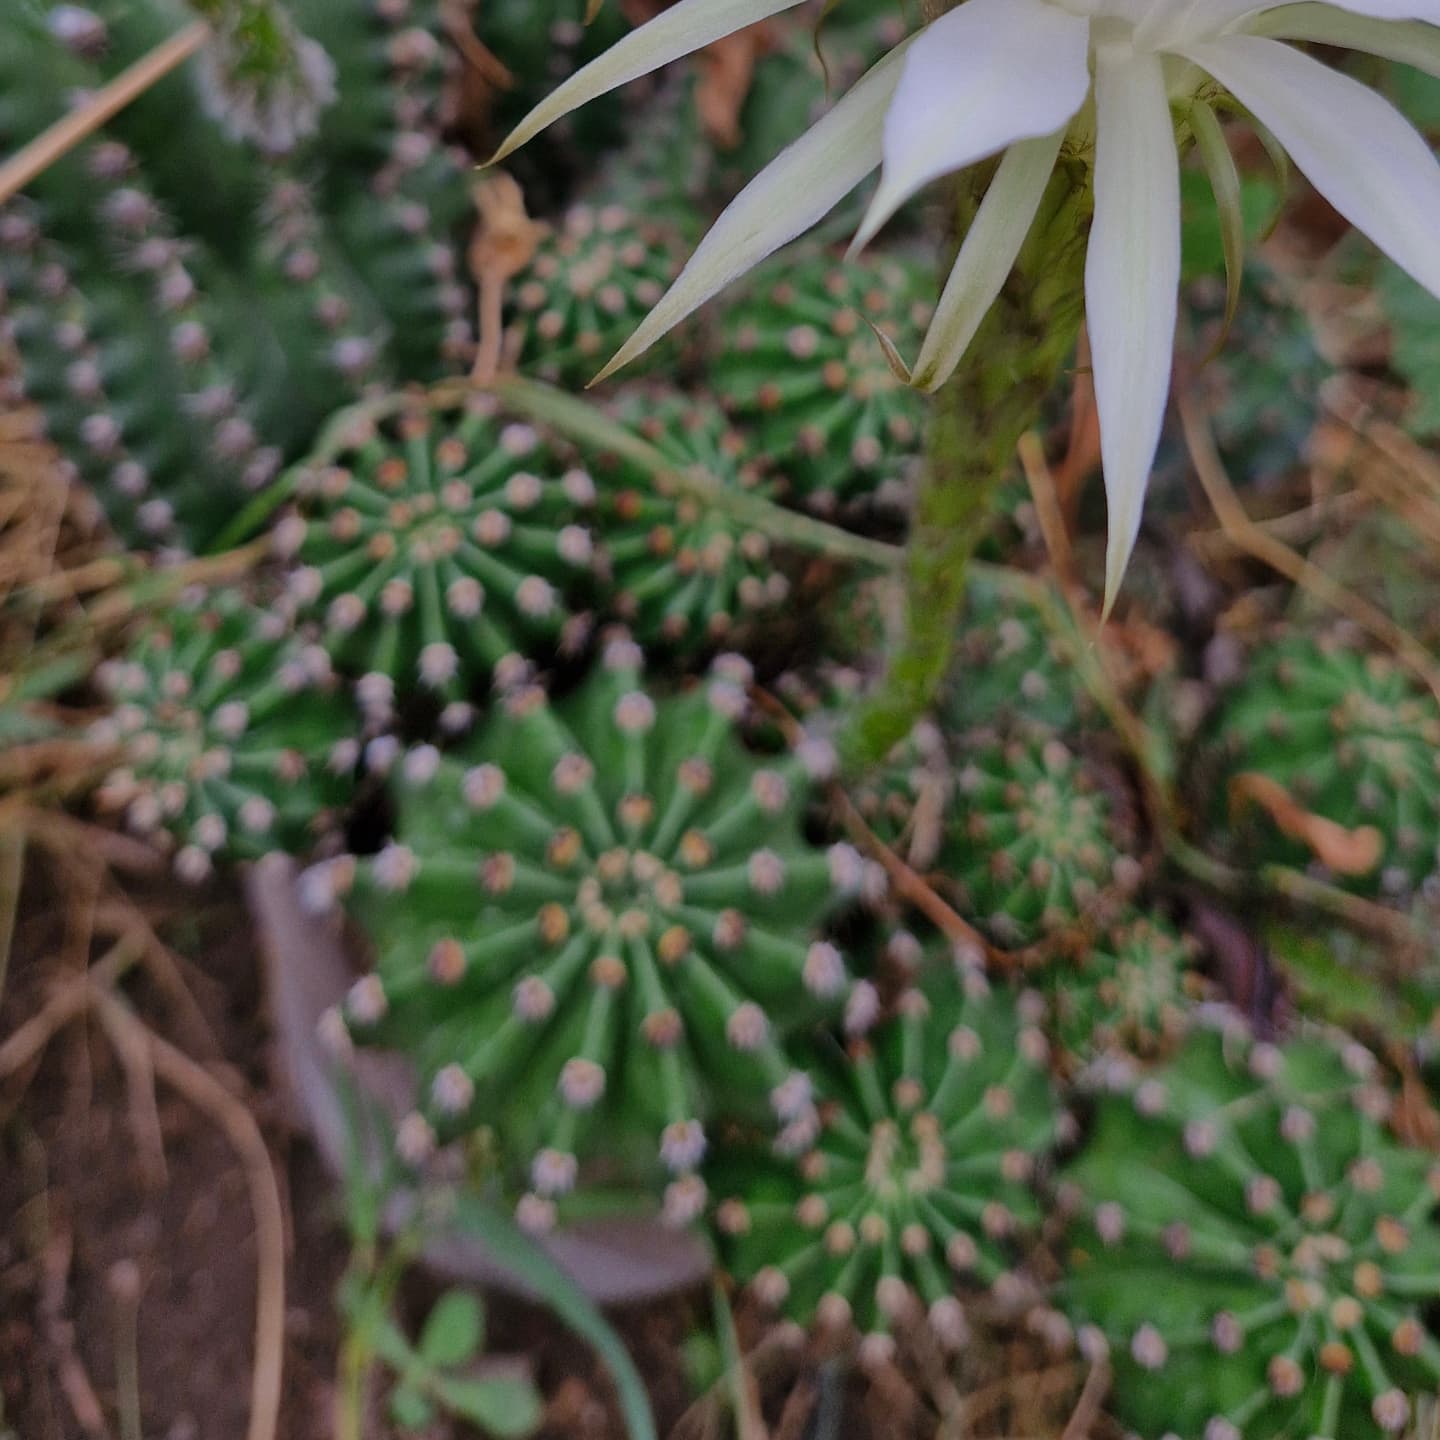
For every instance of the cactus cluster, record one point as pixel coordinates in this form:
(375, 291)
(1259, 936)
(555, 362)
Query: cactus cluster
(933, 1128)
(230, 739)
(595, 927)
(179, 345)
(686, 570)
(1351, 737)
(1127, 993)
(592, 280)
(800, 365)
(435, 551)
(1035, 843)
(1256, 1249)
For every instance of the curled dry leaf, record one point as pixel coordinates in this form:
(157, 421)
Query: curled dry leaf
(1346, 852)
(504, 243)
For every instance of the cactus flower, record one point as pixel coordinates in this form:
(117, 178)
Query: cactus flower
(1028, 79)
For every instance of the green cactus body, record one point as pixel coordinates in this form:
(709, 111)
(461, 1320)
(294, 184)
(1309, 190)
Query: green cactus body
(1352, 738)
(800, 365)
(1126, 993)
(231, 736)
(439, 552)
(685, 573)
(1010, 667)
(591, 282)
(594, 928)
(1255, 1247)
(1032, 846)
(931, 1133)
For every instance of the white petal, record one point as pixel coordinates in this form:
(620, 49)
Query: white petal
(987, 74)
(1358, 151)
(1132, 285)
(1409, 42)
(681, 30)
(1206, 19)
(800, 186)
(989, 250)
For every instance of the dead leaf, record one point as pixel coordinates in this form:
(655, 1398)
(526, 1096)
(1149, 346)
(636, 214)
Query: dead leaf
(503, 245)
(727, 71)
(1346, 852)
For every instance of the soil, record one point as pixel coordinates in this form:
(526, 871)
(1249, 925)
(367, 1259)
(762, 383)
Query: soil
(85, 1222)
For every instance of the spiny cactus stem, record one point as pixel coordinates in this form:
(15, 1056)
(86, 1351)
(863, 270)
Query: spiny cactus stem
(581, 422)
(62, 137)
(1013, 364)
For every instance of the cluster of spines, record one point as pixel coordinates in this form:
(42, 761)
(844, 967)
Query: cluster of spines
(1033, 844)
(1128, 993)
(230, 738)
(686, 572)
(800, 365)
(1255, 1246)
(436, 553)
(1353, 738)
(592, 280)
(933, 1128)
(594, 929)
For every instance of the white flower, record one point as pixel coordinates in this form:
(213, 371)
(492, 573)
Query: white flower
(1024, 78)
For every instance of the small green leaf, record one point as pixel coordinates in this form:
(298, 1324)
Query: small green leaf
(454, 1330)
(410, 1409)
(502, 1406)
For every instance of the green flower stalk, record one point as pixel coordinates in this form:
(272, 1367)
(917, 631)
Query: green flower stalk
(934, 1128)
(1255, 1247)
(594, 929)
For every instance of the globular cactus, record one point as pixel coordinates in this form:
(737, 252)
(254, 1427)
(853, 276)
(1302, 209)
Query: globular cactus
(933, 1128)
(685, 571)
(592, 280)
(1256, 1247)
(1034, 843)
(799, 364)
(437, 551)
(1128, 992)
(231, 739)
(1352, 739)
(593, 930)
(1009, 666)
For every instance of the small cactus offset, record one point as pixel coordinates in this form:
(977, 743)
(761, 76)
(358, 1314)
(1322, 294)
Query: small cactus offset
(800, 365)
(1127, 993)
(1034, 843)
(685, 571)
(593, 930)
(1256, 1247)
(593, 278)
(437, 552)
(1352, 738)
(230, 737)
(932, 1130)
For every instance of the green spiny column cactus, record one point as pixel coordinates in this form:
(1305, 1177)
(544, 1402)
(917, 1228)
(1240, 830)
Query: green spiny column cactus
(1127, 992)
(591, 282)
(231, 738)
(1352, 738)
(594, 928)
(685, 572)
(1256, 1247)
(1033, 844)
(438, 552)
(931, 1133)
(800, 364)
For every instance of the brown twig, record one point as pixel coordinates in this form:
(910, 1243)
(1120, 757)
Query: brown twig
(108, 101)
(1284, 561)
(1087, 1408)
(210, 1097)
